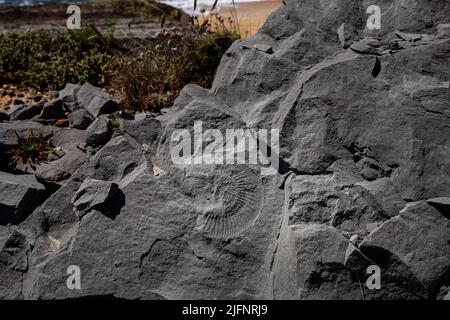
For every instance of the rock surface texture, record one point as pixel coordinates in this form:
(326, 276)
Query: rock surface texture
(364, 176)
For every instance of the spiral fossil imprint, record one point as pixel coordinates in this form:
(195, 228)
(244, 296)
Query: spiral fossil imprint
(229, 200)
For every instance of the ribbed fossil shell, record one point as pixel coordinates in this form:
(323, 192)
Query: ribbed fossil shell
(229, 200)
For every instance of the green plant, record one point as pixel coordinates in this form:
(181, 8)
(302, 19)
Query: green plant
(32, 149)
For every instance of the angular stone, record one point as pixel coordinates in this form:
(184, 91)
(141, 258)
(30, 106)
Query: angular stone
(321, 274)
(28, 112)
(92, 193)
(80, 119)
(67, 157)
(70, 91)
(99, 132)
(54, 109)
(264, 48)
(8, 131)
(162, 235)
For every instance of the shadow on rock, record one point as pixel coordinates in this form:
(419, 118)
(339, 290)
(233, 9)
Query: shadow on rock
(113, 206)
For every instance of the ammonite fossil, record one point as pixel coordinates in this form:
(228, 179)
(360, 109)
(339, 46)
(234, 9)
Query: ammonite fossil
(228, 198)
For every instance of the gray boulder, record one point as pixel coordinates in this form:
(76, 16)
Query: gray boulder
(69, 92)
(364, 142)
(80, 119)
(419, 237)
(19, 196)
(92, 193)
(99, 132)
(95, 101)
(54, 109)
(28, 112)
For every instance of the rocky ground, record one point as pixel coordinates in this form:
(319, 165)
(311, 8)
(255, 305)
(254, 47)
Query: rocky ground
(364, 177)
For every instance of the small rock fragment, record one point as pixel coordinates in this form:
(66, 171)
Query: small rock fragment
(93, 192)
(53, 110)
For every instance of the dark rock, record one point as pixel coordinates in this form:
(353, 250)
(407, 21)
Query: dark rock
(4, 117)
(14, 248)
(27, 113)
(92, 193)
(443, 30)
(366, 46)
(420, 238)
(54, 109)
(99, 132)
(69, 96)
(444, 294)
(95, 101)
(70, 91)
(408, 36)
(16, 108)
(344, 36)
(67, 157)
(80, 119)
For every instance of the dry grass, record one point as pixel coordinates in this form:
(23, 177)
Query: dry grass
(174, 58)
